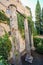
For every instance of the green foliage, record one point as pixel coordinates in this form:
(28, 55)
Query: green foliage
(38, 17)
(42, 23)
(42, 15)
(31, 26)
(38, 43)
(21, 24)
(3, 61)
(5, 46)
(4, 18)
(31, 23)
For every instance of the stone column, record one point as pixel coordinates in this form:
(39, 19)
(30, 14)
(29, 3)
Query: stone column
(28, 58)
(14, 34)
(32, 43)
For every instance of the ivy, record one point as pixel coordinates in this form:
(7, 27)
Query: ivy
(4, 18)
(5, 46)
(31, 25)
(21, 23)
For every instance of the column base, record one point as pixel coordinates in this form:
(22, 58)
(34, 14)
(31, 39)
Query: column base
(29, 58)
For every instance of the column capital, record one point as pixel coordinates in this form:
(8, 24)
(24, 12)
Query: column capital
(12, 5)
(11, 10)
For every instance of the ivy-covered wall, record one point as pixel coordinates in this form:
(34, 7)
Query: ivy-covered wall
(20, 18)
(4, 18)
(21, 24)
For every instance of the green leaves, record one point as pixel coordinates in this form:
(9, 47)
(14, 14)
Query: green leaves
(42, 22)
(3, 61)
(4, 18)
(38, 43)
(21, 24)
(5, 46)
(38, 17)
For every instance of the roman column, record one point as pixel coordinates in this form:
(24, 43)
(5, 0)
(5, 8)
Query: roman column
(14, 34)
(32, 43)
(28, 58)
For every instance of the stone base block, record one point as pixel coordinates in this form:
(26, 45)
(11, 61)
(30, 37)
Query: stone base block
(29, 58)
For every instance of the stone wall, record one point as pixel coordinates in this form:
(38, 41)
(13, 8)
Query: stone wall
(20, 8)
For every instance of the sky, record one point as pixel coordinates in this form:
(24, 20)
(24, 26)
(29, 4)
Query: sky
(32, 5)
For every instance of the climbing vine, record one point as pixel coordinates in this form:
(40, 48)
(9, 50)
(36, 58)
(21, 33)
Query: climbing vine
(4, 18)
(31, 25)
(21, 24)
(5, 46)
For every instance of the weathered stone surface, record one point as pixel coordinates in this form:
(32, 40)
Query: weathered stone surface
(32, 43)
(20, 8)
(7, 29)
(15, 36)
(3, 28)
(2, 32)
(27, 44)
(28, 58)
